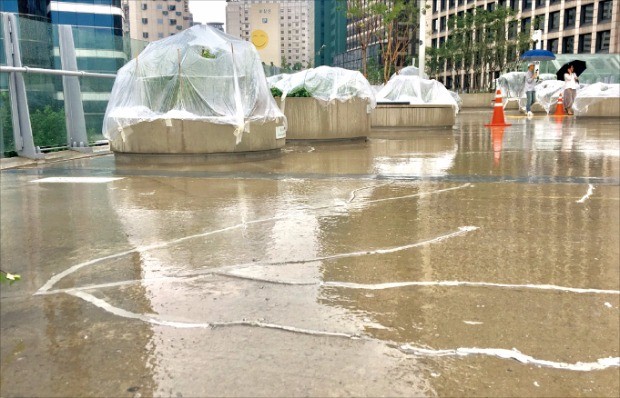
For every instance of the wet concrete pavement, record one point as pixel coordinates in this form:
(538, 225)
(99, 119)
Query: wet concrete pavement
(462, 262)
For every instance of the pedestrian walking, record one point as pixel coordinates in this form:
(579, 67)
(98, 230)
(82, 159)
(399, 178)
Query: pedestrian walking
(531, 78)
(571, 84)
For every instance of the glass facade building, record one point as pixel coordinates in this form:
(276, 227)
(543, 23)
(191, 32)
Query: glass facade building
(330, 31)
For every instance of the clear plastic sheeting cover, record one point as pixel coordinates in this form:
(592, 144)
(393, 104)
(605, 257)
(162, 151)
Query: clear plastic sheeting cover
(328, 84)
(272, 80)
(409, 71)
(594, 93)
(512, 85)
(198, 74)
(415, 90)
(547, 93)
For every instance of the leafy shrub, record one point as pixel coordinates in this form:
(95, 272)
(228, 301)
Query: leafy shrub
(276, 92)
(300, 93)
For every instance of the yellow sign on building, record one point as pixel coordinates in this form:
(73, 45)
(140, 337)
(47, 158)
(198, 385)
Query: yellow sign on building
(265, 31)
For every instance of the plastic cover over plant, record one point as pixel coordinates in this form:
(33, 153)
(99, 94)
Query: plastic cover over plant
(416, 90)
(328, 84)
(198, 74)
(594, 93)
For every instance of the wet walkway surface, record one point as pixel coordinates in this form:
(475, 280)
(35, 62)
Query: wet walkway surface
(462, 262)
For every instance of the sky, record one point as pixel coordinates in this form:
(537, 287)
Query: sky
(208, 10)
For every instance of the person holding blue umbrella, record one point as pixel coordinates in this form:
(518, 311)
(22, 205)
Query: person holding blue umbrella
(531, 77)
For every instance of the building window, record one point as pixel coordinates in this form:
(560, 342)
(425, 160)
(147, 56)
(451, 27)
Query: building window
(512, 29)
(602, 41)
(435, 25)
(526, 5)
(568, 45)
(552, 2)
(160, 35)
(604, 11)
(539, 22)
(540, 3)
(490, 6)
(442, 24)
(552, 45)
(172, 7)
(145, 21)
(178, 13)
(554, 20)
(587, 14)
(570, 18)
(164, 12)
(526, 24)
(159, 8)
(173, 22)
(145, 35)
(179, 27)
(585, 43)
(144, 6)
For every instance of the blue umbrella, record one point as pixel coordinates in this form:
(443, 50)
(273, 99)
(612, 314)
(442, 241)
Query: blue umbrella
(537, 55)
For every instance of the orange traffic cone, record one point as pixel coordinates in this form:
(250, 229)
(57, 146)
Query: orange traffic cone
(498, 112)
(559, 109)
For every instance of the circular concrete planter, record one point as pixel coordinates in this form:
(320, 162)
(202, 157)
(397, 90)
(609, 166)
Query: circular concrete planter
(177, 136)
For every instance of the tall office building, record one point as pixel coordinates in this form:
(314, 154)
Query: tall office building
(330, 30)
(152, 20)
(567, 26)
(280, 29)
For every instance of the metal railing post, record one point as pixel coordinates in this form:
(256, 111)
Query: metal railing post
(77, 138)
(20, 115)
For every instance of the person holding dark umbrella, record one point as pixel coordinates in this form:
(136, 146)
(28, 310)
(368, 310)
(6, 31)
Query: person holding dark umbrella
(569, 72)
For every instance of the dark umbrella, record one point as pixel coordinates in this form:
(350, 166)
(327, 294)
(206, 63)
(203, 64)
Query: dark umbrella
(537, 55)
(579, 66)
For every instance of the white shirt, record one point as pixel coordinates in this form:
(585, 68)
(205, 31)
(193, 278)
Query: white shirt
(530, 81)
(570, 81)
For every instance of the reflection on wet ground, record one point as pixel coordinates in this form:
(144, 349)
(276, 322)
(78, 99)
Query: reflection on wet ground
(454, 262)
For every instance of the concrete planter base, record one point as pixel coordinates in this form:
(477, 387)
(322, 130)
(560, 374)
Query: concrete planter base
(607, 107)
(308, 119)
(176, 136)
(477, 100)
(413, 116)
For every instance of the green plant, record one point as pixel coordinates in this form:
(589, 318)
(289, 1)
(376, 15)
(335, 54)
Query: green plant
(276, 92)
(206, 53)
(48, 126)
(300, 93)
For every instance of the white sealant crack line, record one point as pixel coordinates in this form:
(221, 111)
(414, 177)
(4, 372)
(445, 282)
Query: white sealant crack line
(392, 285)
(56, 278)
(600, 364)
(155, 320)
(46, 288)
(588, 194)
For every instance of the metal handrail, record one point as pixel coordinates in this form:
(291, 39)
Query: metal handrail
(61, 72)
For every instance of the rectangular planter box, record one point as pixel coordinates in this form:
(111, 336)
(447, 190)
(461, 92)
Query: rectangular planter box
(607, 107)
(309, 119)
(424, 115)
(176, 136)
(477, 100)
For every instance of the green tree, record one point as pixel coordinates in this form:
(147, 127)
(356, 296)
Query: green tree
(365, 21)
(399, 18)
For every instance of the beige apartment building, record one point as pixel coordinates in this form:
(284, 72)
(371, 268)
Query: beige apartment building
(152, 20)
(567, 26)
(294, 24)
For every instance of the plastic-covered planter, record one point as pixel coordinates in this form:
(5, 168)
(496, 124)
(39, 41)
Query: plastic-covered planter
(199, 91)
(407, 100)
(326, 103)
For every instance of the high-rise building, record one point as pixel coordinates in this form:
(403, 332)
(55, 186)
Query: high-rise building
(294, 24)
(330, 30)
(566, 27)
(152, 20)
